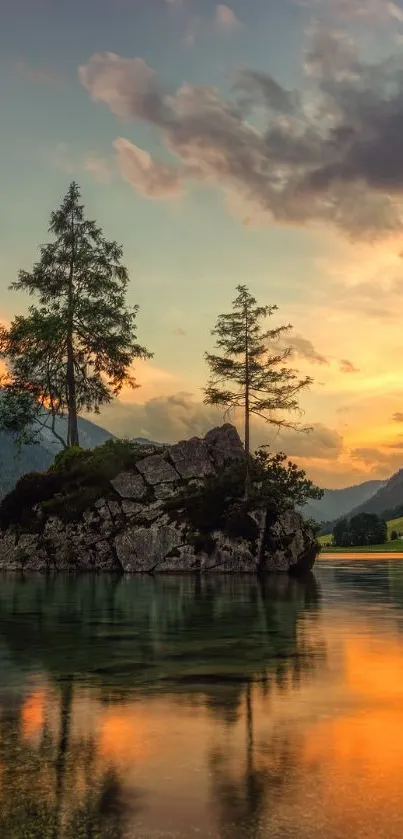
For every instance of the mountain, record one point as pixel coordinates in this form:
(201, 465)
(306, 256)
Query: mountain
(386, 501)
(91, 435)
(37, 458)
(339, 502)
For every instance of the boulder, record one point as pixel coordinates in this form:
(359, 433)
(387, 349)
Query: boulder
(191, 459)
(141, 527)
(157, 470)
(130, 485)
(224, 444)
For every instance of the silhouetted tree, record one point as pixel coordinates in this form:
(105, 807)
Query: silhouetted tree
(74, 350)
(252, 373)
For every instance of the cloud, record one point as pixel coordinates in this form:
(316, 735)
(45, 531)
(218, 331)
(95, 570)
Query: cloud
(321, 443)
(398, 416)
(365, 104)
(165, 419)
(347, 366)
(149, 177)
(65, 160)
(97, 166)
(261, 89)
(180, 415)
(330, 153)
(379, 11)
(381, 462)
(304, 348)
(395, 11)
(226, 20)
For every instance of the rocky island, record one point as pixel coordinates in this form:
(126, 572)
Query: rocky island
(147, 509)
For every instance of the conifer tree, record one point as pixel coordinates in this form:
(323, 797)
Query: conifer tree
(252, 373)
(74, 350)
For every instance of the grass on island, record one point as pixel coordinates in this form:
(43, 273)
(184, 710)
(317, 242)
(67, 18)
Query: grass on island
(389, 547)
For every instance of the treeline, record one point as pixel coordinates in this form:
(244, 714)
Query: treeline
(362, 529)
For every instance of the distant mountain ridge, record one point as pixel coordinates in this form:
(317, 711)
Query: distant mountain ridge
(15, 463)
(386, 501)
(36, 458)
(337, 503)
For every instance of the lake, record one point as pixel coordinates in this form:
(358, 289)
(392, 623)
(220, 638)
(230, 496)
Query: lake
(211, 708)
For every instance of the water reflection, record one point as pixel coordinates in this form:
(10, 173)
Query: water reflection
(113, 679)
(55, 787)
(217, 709)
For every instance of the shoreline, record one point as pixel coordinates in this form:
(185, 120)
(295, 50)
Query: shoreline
(359, 555)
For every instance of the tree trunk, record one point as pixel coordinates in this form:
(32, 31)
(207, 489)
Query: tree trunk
(247, 408)
(72, 424)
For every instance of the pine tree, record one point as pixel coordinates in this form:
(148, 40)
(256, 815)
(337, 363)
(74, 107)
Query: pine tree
(252, 373)
(74, 350)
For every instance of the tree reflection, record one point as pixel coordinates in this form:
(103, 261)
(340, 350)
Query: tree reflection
(58, 789)
(209, 641)
(243, 792)
(203, 636)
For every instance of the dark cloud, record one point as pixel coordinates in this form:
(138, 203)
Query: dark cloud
(332, 153)
(365, 103)
(303, 348)
(260, 88)
(347, 366)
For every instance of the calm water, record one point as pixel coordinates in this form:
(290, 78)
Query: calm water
(142, 708)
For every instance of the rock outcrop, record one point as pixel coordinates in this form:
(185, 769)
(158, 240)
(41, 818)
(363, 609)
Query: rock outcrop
(133, 528)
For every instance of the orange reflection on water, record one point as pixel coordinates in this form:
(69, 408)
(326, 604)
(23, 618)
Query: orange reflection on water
(33, 713)
(122, 735)
(373, 666)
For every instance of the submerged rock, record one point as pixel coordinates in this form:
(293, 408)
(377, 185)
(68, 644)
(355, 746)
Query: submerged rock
(144, 524)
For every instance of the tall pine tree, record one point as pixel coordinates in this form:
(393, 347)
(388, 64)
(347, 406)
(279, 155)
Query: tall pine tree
(74, 350)
(252, 372)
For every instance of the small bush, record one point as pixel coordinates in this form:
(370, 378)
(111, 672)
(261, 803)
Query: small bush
(70, 508)
(393, 536)
(76, 479)
(239, 524)
(29, 491)
(69, 459)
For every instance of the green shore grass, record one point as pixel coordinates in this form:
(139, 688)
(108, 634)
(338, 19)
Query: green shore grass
(390, 547)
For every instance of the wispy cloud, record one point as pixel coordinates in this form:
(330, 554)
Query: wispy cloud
(347, 366)
(149, 177)
(226, 20)
(64, 159)
(37, 74)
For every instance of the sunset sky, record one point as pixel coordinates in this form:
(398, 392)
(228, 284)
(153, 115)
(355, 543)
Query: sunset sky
(258, 142)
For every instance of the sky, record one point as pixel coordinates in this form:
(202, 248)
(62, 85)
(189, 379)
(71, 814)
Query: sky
(257, 142)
